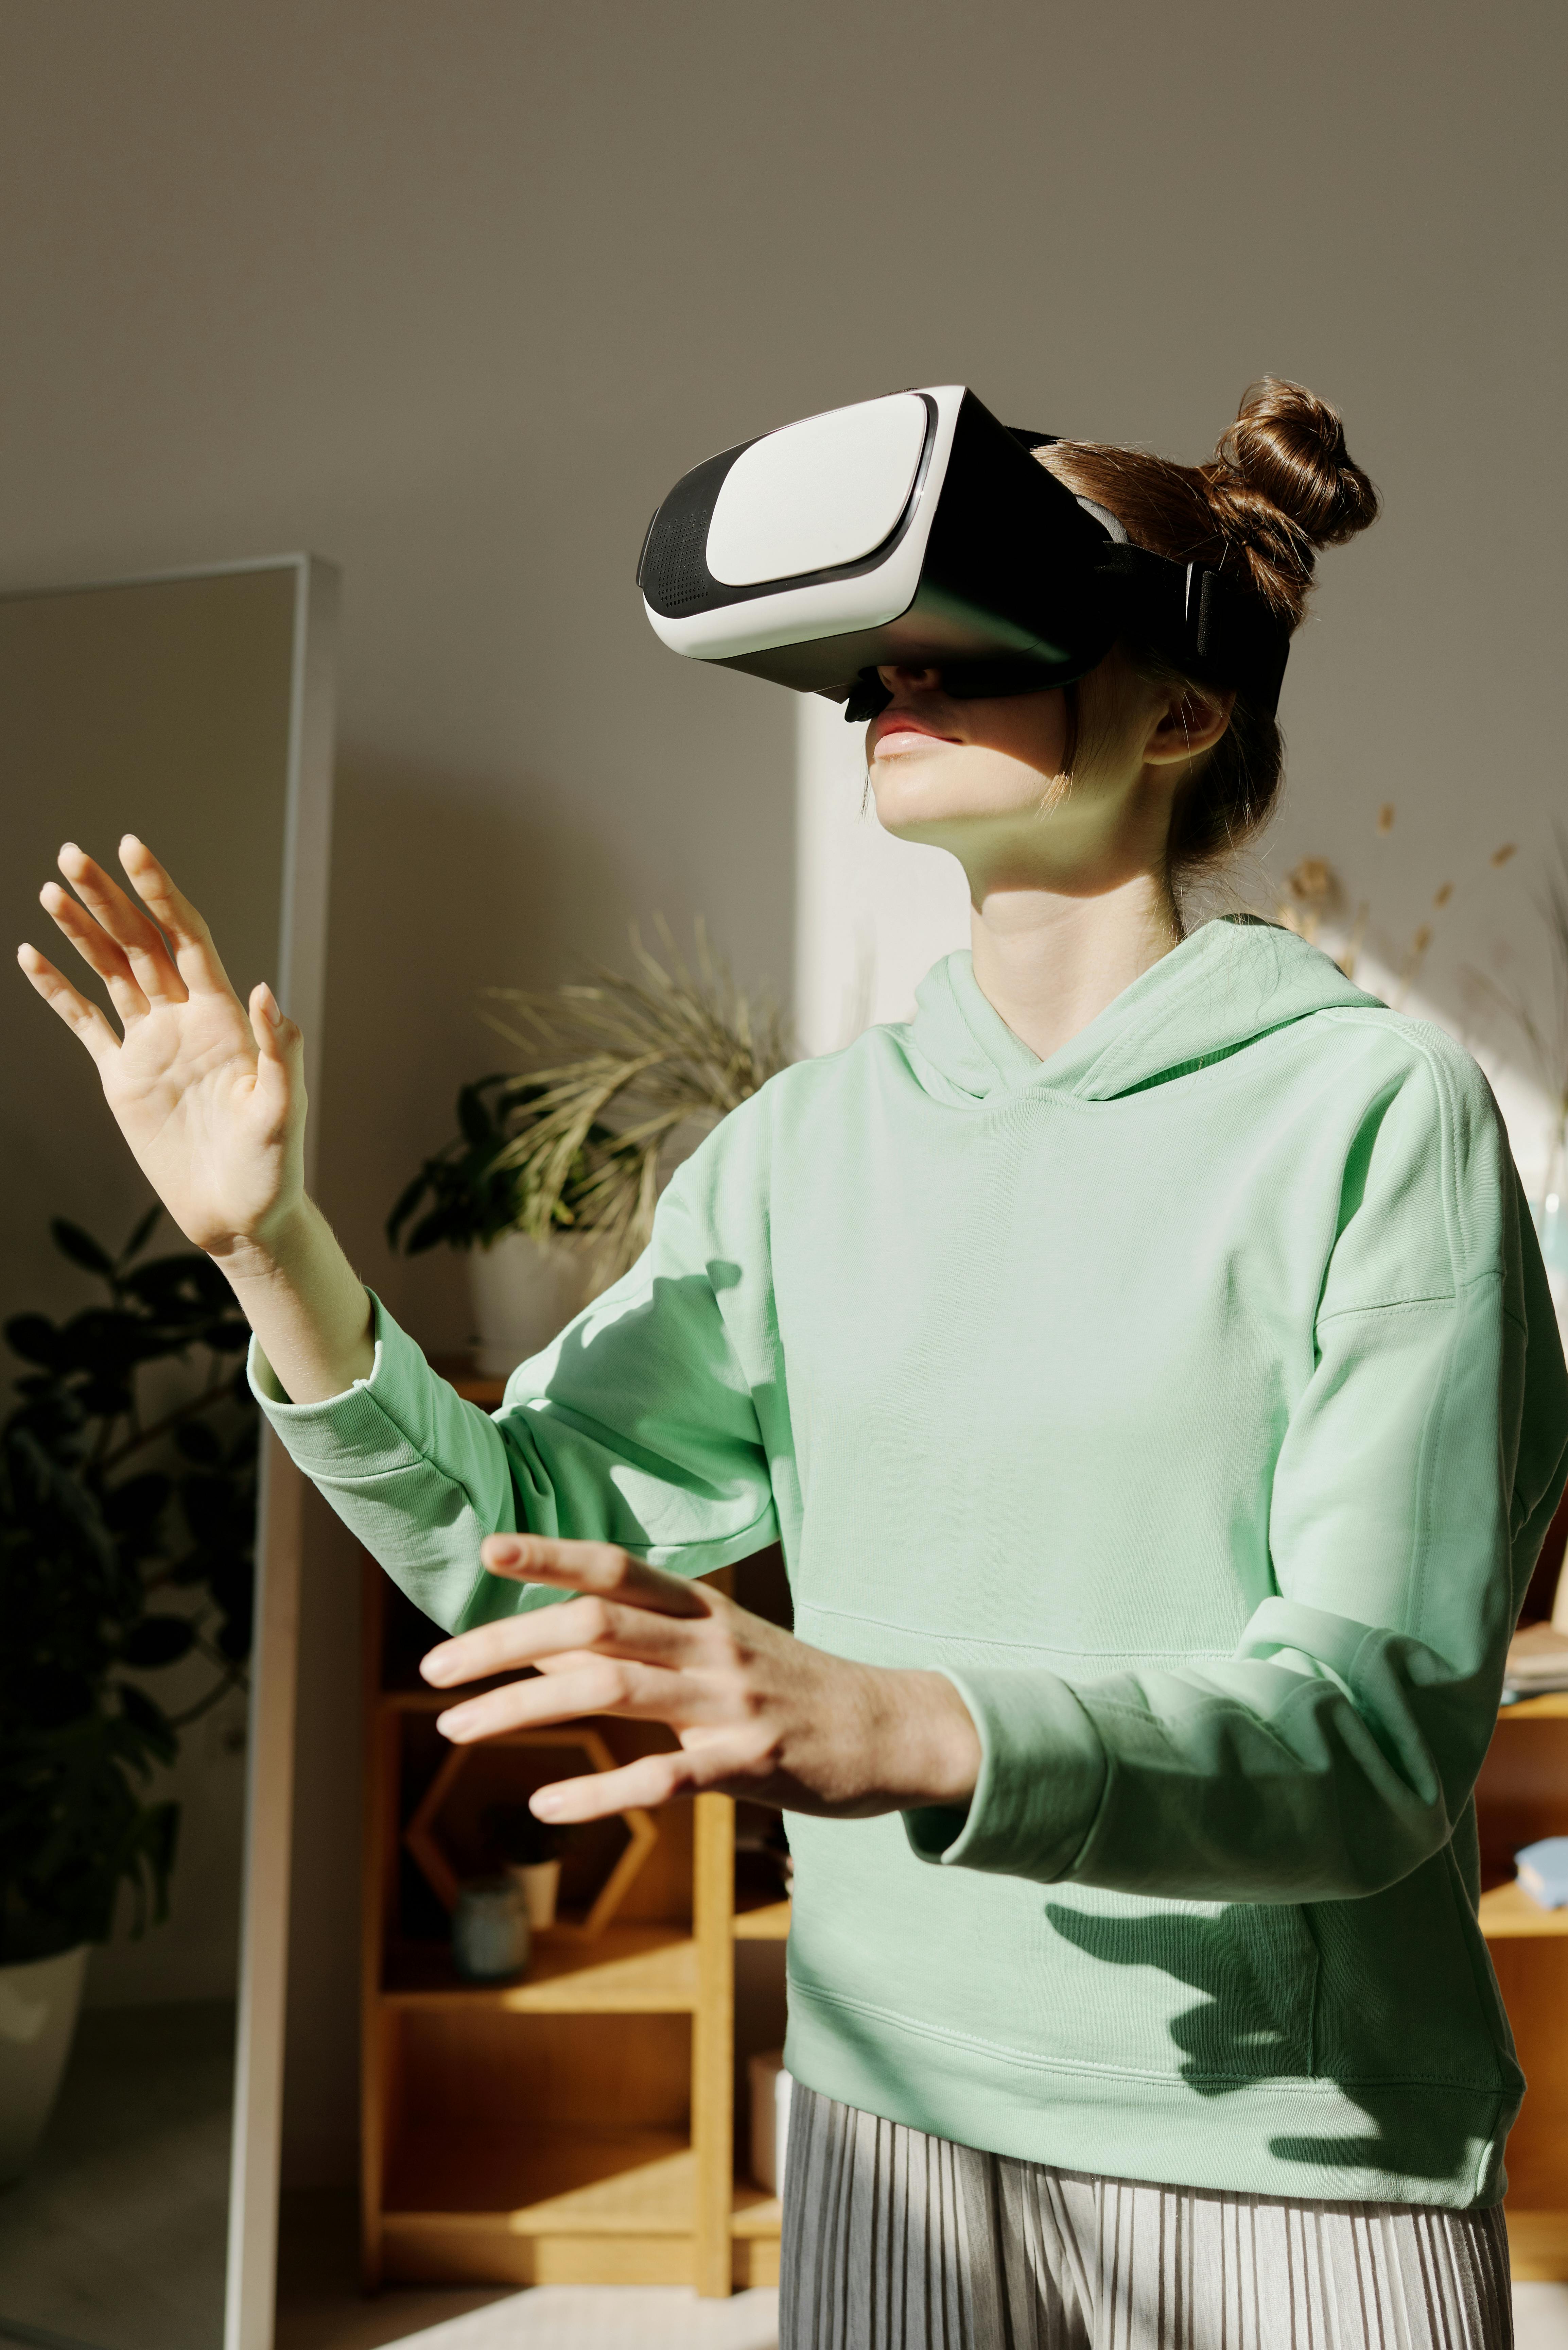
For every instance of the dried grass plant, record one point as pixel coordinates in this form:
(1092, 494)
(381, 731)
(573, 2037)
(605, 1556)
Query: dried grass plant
(1314, 895)
(651, 1060)
(1544, 1037)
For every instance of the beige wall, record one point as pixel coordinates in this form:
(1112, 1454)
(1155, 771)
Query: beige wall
(452, 293)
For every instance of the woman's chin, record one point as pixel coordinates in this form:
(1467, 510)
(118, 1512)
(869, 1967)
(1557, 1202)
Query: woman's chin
(925, 808)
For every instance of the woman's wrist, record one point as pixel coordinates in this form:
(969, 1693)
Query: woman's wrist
(310, 1310)
(928, 1750)
(275, 1251)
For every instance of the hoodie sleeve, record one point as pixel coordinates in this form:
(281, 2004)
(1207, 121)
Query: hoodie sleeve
(637, 1426)
(1420, 1468)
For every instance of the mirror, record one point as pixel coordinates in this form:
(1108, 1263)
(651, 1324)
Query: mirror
(194, 709)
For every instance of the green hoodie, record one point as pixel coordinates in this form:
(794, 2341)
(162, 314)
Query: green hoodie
(1193, 1400)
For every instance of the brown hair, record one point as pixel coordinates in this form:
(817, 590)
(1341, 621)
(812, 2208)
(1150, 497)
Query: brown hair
(1280, 485)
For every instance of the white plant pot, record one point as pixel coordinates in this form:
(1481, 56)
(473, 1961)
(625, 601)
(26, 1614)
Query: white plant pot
(521, 1293)
(540, 1884)
(38, 2007)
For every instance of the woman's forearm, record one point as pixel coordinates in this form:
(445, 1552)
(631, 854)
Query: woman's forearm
(309, 1307)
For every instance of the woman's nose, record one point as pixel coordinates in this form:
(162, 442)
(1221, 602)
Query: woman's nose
(918, 680)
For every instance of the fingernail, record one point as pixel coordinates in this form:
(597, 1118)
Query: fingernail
(546, 1805)
(269, 1006)
(433, 1667)
(504, 1552)
(454, 1722)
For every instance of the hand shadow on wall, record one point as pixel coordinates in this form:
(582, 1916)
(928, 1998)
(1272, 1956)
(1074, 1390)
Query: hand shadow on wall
(1252, 2026)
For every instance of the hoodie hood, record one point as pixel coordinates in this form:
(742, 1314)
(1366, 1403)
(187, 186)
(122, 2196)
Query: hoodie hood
(1232, 983)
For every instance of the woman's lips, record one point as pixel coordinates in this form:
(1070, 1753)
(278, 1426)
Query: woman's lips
(898, 731)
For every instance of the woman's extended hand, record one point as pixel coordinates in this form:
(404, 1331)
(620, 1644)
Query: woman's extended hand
(758, 1714)
(209, 1095)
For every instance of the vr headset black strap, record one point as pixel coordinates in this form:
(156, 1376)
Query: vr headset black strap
(1219, 633)
(1195, 618)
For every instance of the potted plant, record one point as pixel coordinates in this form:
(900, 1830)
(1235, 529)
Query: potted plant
(127, 1539)
(566, 1156)
(628, 1072)
(523, 1284)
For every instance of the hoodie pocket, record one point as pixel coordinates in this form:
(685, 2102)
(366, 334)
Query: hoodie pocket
(1223, 1993)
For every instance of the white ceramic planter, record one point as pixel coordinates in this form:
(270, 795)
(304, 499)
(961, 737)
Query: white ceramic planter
(38, 2007)
(521, 1293)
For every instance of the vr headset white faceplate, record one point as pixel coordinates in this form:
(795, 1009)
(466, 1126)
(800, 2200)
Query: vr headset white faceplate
(916, 529)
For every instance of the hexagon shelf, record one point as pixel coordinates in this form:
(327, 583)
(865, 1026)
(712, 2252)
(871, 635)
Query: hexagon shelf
(442, 1800)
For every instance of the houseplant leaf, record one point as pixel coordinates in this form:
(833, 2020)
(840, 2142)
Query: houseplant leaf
(81, 1247)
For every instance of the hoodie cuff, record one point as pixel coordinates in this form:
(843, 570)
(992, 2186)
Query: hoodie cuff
(360, 1433)
(1042, 1776)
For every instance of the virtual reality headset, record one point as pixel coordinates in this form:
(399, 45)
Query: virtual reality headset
(917, 530)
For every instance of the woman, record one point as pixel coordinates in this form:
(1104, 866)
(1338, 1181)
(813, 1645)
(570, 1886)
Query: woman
(1145, 1363)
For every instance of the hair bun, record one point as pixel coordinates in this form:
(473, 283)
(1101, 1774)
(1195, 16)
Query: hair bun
(1286, 453)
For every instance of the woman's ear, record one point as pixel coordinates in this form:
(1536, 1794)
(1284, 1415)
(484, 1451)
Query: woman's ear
(1189, 722)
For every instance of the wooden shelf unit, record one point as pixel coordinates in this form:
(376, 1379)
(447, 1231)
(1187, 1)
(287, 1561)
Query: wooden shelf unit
(1522, 1794)
(577, 2126)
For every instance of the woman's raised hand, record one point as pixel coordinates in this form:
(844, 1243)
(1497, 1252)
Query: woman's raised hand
(756, 1711)
(209, 1095)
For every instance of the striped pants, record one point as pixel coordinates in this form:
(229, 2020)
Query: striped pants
(894, 2240)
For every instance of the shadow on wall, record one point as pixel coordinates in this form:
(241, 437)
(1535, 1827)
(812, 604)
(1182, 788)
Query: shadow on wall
(441, 885)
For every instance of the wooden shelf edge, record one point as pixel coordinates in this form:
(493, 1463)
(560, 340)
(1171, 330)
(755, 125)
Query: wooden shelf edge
(1508, 1914)
(533, 2220)
(1537, 2245)
(768, 1924)
(625, 1971)
(756, 2213)
(1551, 1705)
(587, 2182)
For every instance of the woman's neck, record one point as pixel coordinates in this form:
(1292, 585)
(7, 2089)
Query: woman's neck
(1050, 963)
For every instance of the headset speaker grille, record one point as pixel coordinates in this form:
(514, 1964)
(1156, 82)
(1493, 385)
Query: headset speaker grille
(677, 570)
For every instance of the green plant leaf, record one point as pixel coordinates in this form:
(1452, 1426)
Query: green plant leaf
(108, 1342)
(234, 1640)
(440, 1224)
(135, 1505)
(81, 1247)
(474, 1120)
(148, 1720)
(409, 1199)
(84, 1549)
(105, 1401)
(36, 1339)
(142, 1234)
(161, 1837)
(158, 1640)
(198, 1442)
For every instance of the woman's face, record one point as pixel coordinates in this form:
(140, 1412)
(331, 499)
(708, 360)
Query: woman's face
(935, 761)
(985, 779)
